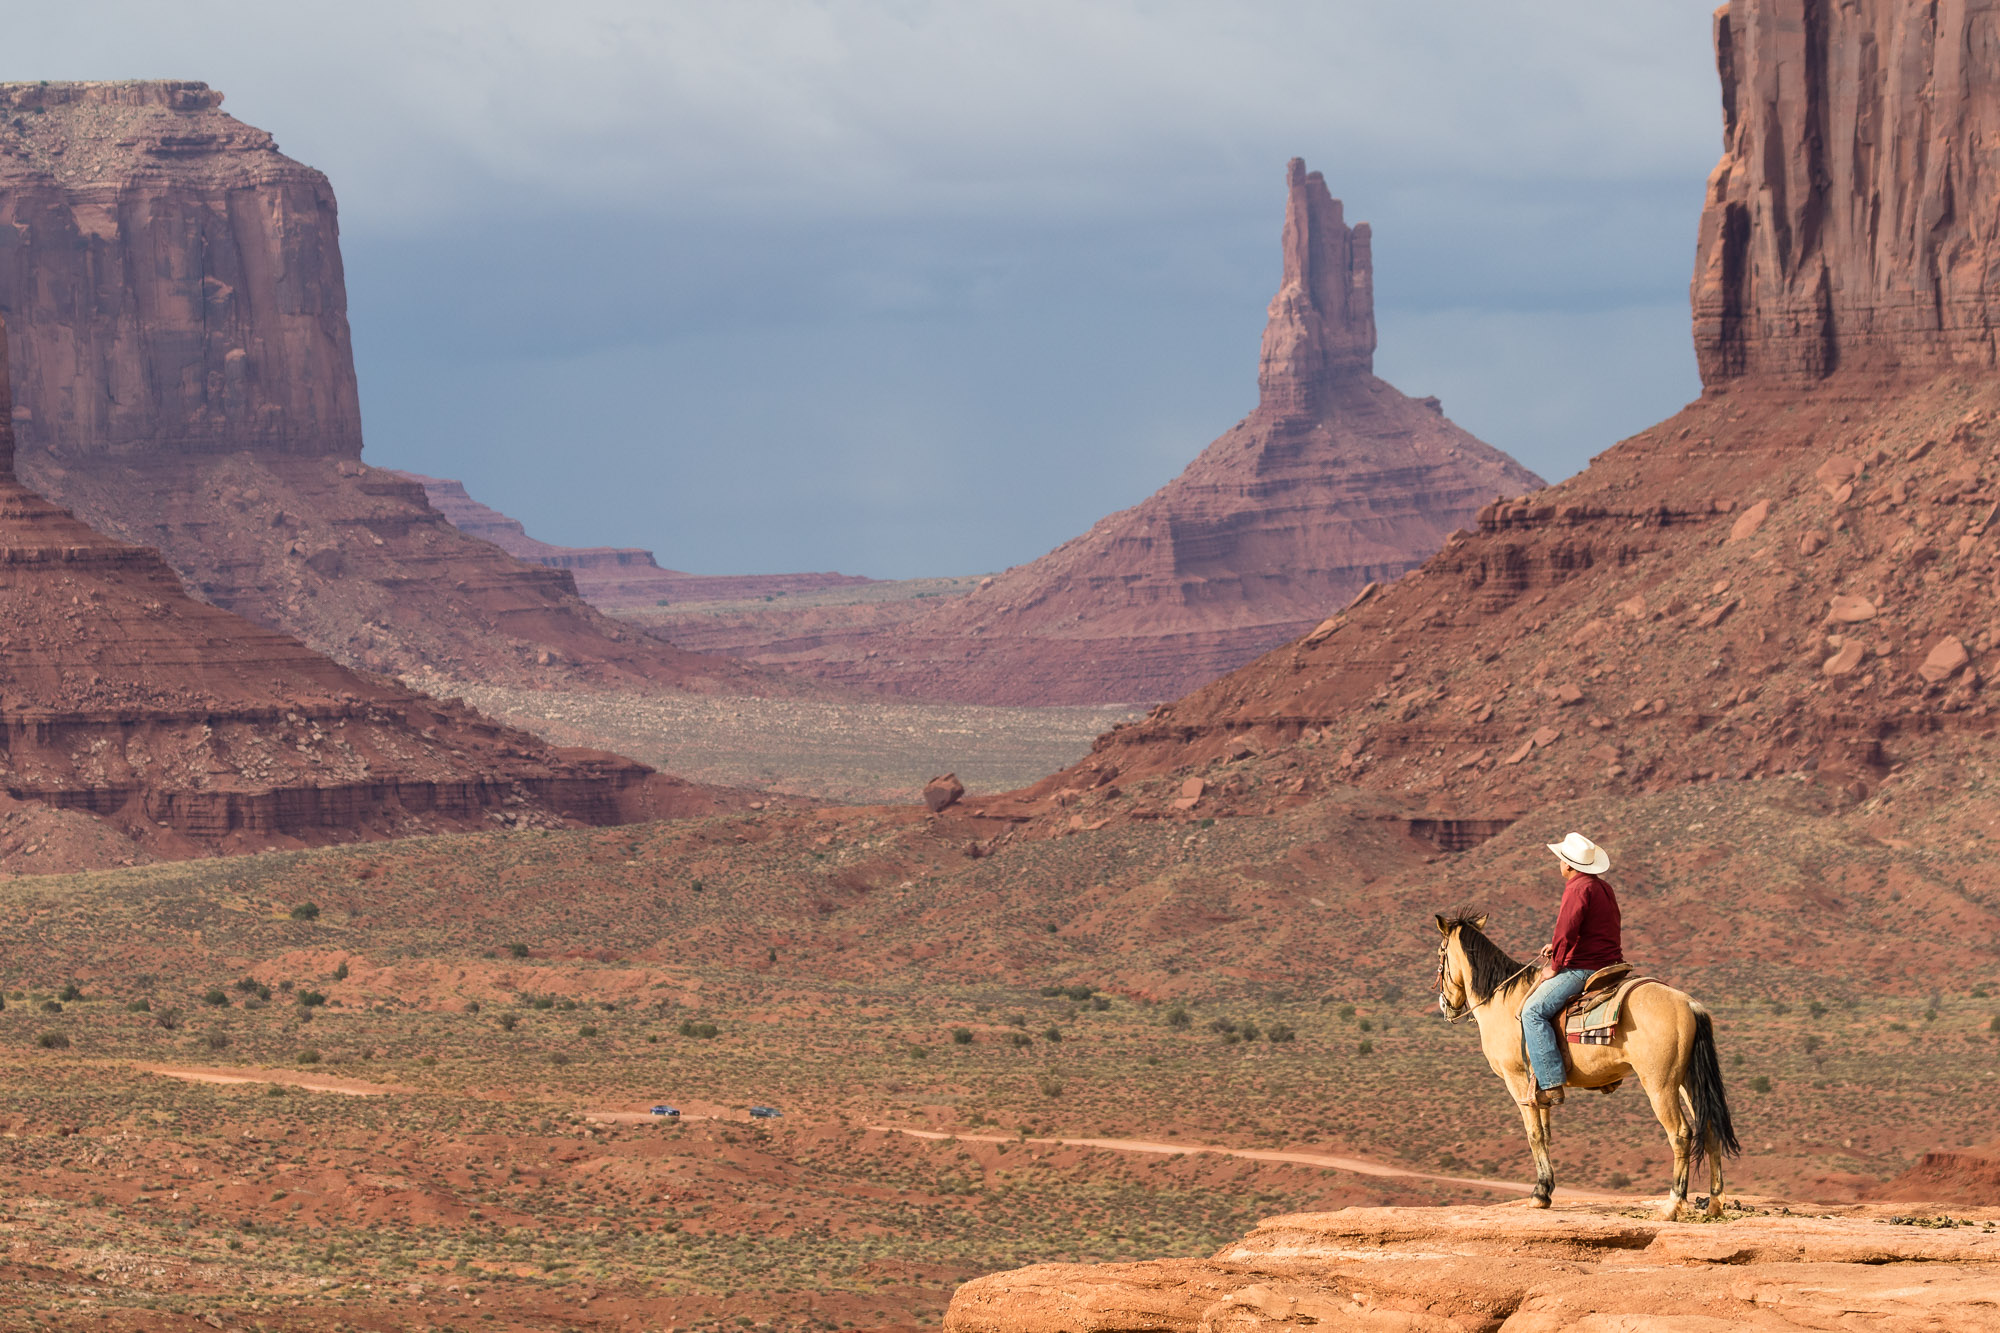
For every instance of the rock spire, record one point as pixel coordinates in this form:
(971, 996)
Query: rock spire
(1853, 222)
(1334, 481)
(1322, 321)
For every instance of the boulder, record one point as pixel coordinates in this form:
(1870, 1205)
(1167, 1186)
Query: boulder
(1945, 660)
(943, 792)
(1749, 521)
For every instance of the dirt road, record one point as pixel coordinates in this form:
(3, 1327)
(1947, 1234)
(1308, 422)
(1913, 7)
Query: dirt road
(1358, 1165)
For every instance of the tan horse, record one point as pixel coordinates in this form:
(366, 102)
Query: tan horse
(1663, 1037)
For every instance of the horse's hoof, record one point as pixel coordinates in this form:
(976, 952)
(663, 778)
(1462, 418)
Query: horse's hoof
(1714, 1208)
(1539, 1201)
(1672, 1212)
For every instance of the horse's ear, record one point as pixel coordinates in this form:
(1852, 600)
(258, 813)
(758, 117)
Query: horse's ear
(1479, 922)
(1444, 927)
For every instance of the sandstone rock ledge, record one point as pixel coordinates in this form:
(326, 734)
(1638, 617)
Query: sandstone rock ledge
(1584, 1267)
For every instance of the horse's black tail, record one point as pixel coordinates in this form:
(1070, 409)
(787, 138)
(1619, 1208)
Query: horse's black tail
(1705, 1093)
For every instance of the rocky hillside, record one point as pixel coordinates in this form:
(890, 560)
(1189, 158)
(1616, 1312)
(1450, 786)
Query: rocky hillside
(186, 382)
(1335, 481)
(137, 723)
(613, 577)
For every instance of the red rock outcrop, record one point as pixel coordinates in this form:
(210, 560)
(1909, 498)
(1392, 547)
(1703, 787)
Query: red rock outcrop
(1335, 481)
(1950, 1175)
(186, 382)
(188, 729)
(1506, 1270)
(1794, 576)
(1850, 223)
(613, 577)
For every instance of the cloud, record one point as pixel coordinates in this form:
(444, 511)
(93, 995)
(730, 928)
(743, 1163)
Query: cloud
(842, 283)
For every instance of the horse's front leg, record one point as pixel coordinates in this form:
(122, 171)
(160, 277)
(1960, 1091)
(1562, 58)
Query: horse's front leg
(1536, 1118)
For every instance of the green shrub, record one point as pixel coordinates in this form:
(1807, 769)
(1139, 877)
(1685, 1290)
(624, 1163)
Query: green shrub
(340, 973)
(169, 1018)
(508, 1022)
(518, 950)
(1177, 1017)
(1347, 1011)
(306, 912)
(215, 995)
(51, 1006)
(690, 1028)
(961, 1036)
(587, 1030)
(1051, 1085)
(1249, 1032)
(1019, 1039)
(1366, 1047)
(1225, 1026)
(217, 1041)
(308, 1056)
(1281, 1032)
(1366, 1025)
(70, 991)
(1100, 1002)
(310, 999)
(544, 1002)
(1052, 1033)
(53, 1041)
(138, 1006)
(1993, 1024)
(1760, 1084)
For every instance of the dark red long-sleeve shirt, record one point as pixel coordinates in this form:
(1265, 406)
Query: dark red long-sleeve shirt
(1587, 927)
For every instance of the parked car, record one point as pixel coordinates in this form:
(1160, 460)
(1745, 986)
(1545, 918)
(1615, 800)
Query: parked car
(667, 1110)
(765, 1113)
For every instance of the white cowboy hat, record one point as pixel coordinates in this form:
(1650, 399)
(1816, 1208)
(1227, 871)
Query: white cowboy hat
(1580, 853)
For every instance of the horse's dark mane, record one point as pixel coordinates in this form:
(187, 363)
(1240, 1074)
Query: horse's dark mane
(1491, 967)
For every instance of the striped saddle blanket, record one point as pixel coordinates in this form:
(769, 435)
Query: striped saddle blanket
(1593, 1019)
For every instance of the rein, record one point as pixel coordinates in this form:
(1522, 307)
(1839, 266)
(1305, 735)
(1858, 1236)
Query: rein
(1466, 1012)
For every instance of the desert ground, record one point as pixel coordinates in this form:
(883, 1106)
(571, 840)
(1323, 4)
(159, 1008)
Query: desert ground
(404, 1086)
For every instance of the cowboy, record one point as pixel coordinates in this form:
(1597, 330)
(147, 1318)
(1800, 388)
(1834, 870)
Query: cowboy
(1586, 938)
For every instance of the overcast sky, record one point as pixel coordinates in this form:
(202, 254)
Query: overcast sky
(904, 287)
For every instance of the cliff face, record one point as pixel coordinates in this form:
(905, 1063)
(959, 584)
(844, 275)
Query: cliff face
(187, 730)
(172, 279)
(1850, 224)
(186, 382)
(1336, 480)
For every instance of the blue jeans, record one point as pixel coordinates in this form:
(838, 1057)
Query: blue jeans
(1539, 1017)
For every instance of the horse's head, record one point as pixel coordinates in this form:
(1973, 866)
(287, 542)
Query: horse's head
(1454, 973)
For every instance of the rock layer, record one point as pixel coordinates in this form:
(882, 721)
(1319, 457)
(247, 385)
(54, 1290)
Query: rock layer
(612, 577)
(186, 382)
(189, 729)
(1507, 1270)
(1335, 481)
(1850, 224)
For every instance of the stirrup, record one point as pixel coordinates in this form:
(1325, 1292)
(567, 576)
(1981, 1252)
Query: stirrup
(1546, 1097)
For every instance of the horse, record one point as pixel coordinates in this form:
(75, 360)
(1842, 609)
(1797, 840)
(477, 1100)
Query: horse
(1663, 1037)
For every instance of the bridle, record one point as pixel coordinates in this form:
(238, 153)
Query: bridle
(1445, 1008)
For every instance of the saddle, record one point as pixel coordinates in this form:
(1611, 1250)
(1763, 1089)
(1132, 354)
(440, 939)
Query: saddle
(1592, 1018)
